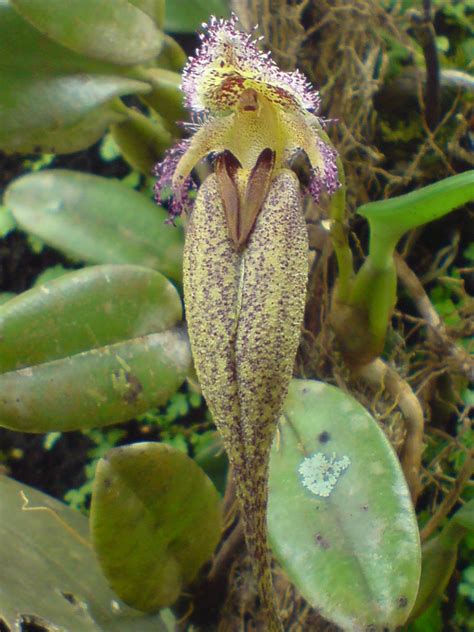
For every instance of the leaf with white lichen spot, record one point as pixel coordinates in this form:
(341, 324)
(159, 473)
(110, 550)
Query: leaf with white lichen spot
(340, 514)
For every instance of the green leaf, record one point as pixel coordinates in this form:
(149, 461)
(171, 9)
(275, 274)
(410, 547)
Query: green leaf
(50, 576)
(24, 49)
(113, 31)
(390, 219)
(90, 348)
(340, 517)
(142, 141)
(51, 273)
(57, 114)
(439, 558)
(96, 220)
(85, 309)
(154, 8)
(6, 296)
(185, 16)
(155, 520)
(7, 221)
(166, 96)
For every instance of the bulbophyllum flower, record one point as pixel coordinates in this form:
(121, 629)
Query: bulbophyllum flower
(254, 118)
(245, 260)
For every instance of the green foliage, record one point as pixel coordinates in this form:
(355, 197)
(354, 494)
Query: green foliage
(92, 48)
(119, 33)
(7, 221)
(103, 337)
(361, 320)
(96, 220)
(186, 16)
(104, 439)
(50, 575)
(439, 555)
(155, 501)
(340, 513)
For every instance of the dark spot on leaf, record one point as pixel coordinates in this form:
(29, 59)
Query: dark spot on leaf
(304, 390)
(33, 623)
(321, 541)
(402, 602)
(365, 507)
(67, 595)
(324, 437)
(3, 626)
(17, 400)
(37, 149)
(107, 483)
(134, 388)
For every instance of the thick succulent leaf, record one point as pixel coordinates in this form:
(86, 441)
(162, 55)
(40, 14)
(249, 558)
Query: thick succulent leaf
(36, 110)
(155, 520)
(50, 575)
(90, 348)
(154, 8)
(166, 96)
(186, 16)
(390, 219)
(84, 310)
(96, 220)
(23, 48)
(95, 388)
(142, 141)
(439, 557)
(69, 138)
(464, 517)
(6, 296)
(113, 31)
(340, 517)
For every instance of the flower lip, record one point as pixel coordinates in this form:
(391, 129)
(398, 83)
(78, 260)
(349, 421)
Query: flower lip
(228, 62)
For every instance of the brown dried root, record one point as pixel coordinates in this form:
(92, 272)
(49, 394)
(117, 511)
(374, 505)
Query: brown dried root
(450, 499)
(457, 358)
(380, 375)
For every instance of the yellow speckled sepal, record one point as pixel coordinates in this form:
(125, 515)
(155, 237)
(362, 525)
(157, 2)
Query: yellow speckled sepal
(244, 311)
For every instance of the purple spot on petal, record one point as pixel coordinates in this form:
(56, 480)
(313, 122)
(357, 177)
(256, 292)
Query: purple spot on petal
(180, 199)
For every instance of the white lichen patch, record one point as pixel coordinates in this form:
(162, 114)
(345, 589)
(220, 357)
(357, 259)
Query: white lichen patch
(321, 472)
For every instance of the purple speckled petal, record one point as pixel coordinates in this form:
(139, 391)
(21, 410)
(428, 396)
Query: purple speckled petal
(180, 200)
(229, 61)
(325, 178)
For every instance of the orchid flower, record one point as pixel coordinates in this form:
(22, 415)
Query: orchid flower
(245, 260)
(254, 117)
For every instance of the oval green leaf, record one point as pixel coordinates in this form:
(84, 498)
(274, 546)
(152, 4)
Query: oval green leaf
(84, 310)
(186, 16)
(90, 348)
(439, 556)
(95, 388)
(155, 520)
(142, 141)
(37, 110)
(96, 220)
(166, 96)
(156, 9)
(114, 31)
(340, 517)
(25, 49)
(50, 575)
